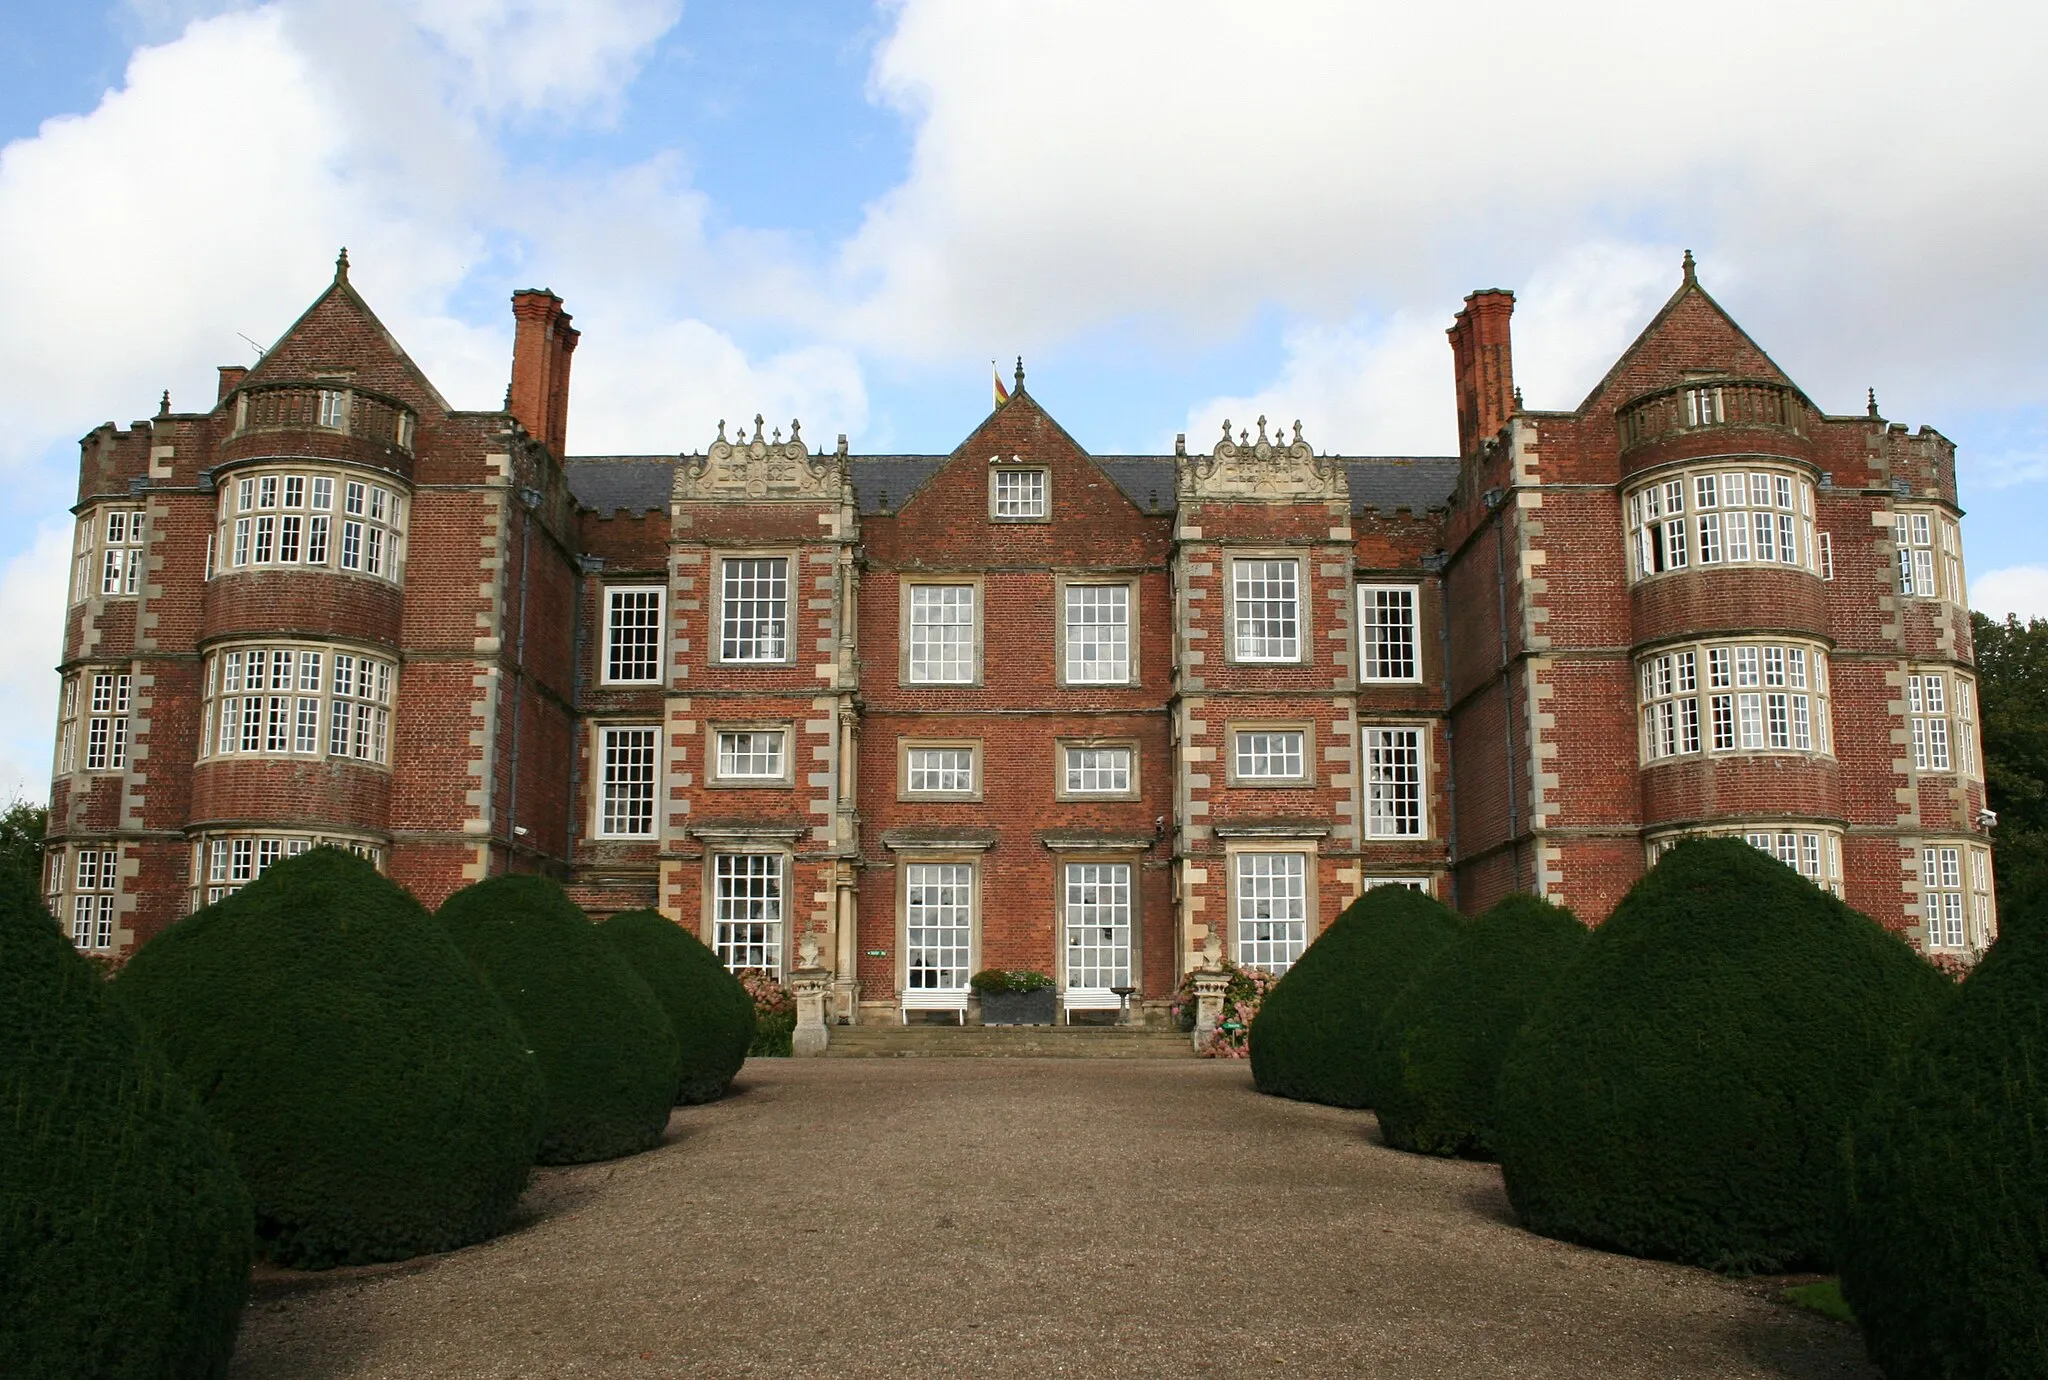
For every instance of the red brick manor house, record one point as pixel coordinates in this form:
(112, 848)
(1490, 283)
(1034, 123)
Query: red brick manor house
(1018, 705)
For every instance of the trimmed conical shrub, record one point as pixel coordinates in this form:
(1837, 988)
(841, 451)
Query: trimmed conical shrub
(377, 1097)
(605, 1047)
(1683, 1090)
(1944, 1228)
(1437, 1057)
(1315, 1028)
(124, 1231)
(710, 1012)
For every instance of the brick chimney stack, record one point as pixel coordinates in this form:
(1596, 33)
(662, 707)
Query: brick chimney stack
(231, 376)
(1484, 363)
(540, 367)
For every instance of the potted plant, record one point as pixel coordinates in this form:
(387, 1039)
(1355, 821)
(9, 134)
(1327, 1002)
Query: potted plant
(1015, 996)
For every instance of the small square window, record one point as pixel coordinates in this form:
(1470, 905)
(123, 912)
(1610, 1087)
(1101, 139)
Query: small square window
(1267, 755)
(1097, 771)
(752, 756)
(941, 769)
(1019, 495)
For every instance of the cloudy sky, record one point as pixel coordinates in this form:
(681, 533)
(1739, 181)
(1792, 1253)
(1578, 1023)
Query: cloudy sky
(1175, 213)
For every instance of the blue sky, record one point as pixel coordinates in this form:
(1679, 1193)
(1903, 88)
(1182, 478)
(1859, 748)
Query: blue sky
(842, 212)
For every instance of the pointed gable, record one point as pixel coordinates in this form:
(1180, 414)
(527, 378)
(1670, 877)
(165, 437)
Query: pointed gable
(339, 334)
(1692, 332)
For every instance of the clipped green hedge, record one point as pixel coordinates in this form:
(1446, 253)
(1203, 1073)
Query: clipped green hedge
(1944, 1222)
(1314, 1030)
(1436, 1060)
(606, 1051)
(379, 1101)
(125, 1233)
(710, 1012)
(1683, 1090)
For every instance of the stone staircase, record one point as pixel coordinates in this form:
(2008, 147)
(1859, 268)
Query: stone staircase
(1006, 1042)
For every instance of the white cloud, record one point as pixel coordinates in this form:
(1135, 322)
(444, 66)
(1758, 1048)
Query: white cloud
(1080, 161)
(32, 590)
(1383, 387)
(2017, 589)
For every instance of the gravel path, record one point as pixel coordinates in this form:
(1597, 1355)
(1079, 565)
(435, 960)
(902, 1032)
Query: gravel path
(1000, 1217)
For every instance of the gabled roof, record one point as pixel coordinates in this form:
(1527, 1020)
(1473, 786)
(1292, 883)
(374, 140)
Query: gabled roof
(1690, 300)
(340, 332)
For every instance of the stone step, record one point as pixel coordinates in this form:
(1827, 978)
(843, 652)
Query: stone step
(1006, 1042)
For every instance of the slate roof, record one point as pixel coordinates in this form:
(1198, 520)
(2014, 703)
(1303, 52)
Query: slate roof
(884, 483)
(608, 483)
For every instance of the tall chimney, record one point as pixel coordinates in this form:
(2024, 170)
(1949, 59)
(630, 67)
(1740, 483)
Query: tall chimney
(541, 347)
(1484, 363)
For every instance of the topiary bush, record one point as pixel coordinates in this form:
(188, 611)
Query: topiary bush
(1315, 1028)
(377, 1097)
(1944, 1221)
(1436, 1059)
(607, 1053)
(710, 1012)
(124, 1231)
(1683, 1090)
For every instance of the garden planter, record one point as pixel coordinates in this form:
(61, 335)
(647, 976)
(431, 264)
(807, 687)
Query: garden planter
(1019, 1008)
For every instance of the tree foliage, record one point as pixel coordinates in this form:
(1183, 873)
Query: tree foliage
(2012, 692)
(124, 1230)
(1437, 1057)
(21, 841)
(1944, 1228)
(1683, 1090)
(1315, 1029)
(380, 1102)
(710, 1012)
(606, 1050)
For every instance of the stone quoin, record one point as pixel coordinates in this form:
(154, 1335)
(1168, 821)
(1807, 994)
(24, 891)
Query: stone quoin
(1019, 706)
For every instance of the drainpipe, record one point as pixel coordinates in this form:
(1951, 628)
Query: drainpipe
(1496, 499)
(1440, 563)
(529, 499)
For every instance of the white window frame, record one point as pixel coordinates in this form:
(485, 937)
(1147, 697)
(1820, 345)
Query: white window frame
(1098, 894)
(929, 659)
(907, 768)
(1384, 786)
(1282, 882)
(949, 914)
(750, 908)
(1247, 750)
(620, 599)
(618, 797)
(1701, 517)
(719, 759)
(1117, 632)
(1378, 633)
(1064, 769)
(1032, 506)
(741, 642)
(1251, 647)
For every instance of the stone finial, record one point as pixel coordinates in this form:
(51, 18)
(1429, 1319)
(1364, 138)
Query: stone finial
(1518, 398)
(163, 408)
(1020, 373)
(1691, 274)
(341, 266)
(1873, 402)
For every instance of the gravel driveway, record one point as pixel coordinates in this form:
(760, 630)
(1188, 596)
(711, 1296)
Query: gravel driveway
(1000, 1217)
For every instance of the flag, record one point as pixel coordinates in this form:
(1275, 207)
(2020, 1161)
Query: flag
(1002, 393)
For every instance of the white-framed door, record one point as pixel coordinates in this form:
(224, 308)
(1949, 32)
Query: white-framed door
(1097, 913)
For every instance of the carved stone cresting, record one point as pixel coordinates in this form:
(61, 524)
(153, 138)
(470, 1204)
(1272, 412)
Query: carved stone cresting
(1272, 470)
(751, 469)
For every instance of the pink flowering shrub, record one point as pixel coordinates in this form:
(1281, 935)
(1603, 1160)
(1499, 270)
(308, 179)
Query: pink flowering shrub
(1241, 997)
(774, 1012)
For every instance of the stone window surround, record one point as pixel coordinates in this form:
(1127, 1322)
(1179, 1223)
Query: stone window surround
(1307, 730)
(1059, 769)
(1303, 557)
(1009, 468)
(974, 579)
(1308, 846)
(976, 760)
(716, 780)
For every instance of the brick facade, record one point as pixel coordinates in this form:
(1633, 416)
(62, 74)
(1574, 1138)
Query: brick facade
(1015, 706)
